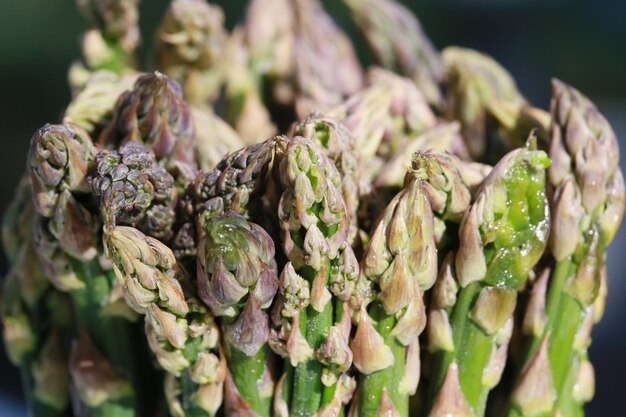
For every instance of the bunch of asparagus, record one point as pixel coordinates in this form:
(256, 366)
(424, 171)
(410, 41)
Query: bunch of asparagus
(261, 227)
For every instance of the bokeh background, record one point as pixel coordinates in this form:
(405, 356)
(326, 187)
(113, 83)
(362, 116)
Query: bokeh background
(580, 42)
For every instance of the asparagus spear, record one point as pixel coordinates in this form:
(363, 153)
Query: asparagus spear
(180, 330)
(235, 187)
(154, 113)
(34, 316)
(447, 191)
(399, 264)
(502, 236)
(327, 69)
(340, 148)
(214, 138)
(385, 116)
(237, 279)
(66, 243)
(398, 43)
(189, 45)
(270, 43)
(237, 183)
(135, 190)
(444, 137)
(245, 88)
(113, 38)
(483, 96)
(587, 205)
(310, 324)
(92, 106)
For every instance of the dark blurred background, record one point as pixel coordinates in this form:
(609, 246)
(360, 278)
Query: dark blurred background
(580, 42)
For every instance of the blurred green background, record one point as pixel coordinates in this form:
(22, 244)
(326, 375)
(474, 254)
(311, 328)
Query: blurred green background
(580, 42)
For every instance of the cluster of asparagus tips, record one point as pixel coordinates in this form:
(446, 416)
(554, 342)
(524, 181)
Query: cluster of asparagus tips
(298, 275)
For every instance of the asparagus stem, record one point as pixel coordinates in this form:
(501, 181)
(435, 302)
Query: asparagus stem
(34, 321)
(560, 311)
(37, 407)
(309, 394)
(477, 346)
(374, 383)
(247, 371)
(113, 335)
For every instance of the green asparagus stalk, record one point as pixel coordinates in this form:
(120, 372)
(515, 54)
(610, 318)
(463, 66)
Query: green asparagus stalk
(113, 37)
(483, 96)
(66, 243)
(399, 44)
(502, 236)
(587, 206)
(399, 264)
(34, 317)
(181, 332)
(311, 317)
(189, 44)
(237, 279)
